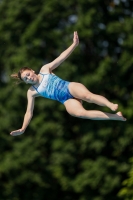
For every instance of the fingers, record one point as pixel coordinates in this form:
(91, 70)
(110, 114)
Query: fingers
(16, 133)
(75, 33)
(75, 38)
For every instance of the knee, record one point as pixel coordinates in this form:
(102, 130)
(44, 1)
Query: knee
(78, 113)
(88, 97)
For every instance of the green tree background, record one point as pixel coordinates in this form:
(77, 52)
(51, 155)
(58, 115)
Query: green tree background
(61, 157)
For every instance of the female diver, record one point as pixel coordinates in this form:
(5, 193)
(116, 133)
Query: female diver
(71, 94)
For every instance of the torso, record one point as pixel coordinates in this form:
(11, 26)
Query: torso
(52, 87)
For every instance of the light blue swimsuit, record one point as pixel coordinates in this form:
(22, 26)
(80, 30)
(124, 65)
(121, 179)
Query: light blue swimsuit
(53, 87)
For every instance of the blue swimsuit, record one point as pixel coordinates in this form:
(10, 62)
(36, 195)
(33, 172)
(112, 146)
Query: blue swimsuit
(53, 87)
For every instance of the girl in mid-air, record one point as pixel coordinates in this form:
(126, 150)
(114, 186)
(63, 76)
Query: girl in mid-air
(71, 94)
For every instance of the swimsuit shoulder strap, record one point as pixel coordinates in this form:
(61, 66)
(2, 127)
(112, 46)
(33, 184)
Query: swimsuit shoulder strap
(43, 73)
(34, 87)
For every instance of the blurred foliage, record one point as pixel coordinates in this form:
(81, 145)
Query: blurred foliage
(61, 157)
(127, 191)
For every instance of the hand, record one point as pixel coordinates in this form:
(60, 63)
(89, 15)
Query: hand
(76, 38)
(17, 132)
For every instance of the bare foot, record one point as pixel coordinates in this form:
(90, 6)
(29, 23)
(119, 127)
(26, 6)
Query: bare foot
(114, 107)
(121, 116)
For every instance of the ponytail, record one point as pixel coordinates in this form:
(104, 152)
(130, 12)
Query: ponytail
(15, 76)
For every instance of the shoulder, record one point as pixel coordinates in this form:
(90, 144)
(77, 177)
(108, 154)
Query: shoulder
(31, 92)
(45, 69)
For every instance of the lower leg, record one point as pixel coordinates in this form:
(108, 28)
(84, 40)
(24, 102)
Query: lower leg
(102, 101)
(98, 115)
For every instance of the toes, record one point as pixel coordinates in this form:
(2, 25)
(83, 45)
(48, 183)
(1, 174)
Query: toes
(120, 115)
(116, 106)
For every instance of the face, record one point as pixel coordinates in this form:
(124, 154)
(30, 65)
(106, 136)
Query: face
(29, 77)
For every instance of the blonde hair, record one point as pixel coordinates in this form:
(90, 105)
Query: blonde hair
(17, 76)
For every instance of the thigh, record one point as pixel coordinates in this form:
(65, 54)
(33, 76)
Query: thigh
(74, 107)
(78, 90)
